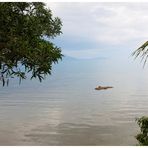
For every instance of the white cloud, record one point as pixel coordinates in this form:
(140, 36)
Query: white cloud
(103, 23)
(84, 54)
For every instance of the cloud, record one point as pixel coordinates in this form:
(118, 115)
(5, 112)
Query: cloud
(85, 54)
(100, 25)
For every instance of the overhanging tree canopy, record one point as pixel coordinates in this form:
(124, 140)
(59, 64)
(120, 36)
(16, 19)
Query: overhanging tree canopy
(23, 48)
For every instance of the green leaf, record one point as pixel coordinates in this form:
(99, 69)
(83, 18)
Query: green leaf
(23, 48)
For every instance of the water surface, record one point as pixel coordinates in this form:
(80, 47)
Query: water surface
(66, 110)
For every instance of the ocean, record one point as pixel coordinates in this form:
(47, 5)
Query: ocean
(65, 109)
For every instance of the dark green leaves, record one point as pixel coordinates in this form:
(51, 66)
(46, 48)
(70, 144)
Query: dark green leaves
(143, 136)
(23, 49)
(142, 52)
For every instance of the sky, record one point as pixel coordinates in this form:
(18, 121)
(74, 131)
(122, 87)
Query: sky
(98, 30)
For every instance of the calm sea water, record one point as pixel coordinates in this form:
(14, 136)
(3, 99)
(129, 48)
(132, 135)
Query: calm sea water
(66, 110)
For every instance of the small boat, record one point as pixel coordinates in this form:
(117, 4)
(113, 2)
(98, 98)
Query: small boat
(102, 87)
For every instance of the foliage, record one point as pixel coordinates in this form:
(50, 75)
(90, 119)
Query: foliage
(23, 48)
(142, 137)
(142, 51)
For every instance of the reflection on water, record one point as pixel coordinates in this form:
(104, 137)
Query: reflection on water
(79, 134)
(66, 110)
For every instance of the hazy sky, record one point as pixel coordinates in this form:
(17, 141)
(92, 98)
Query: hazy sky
(92, 30)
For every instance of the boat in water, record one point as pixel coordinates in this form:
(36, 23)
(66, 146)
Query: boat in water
(103, 87)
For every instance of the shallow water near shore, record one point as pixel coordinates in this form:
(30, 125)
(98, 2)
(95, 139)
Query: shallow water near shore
(65, 109)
